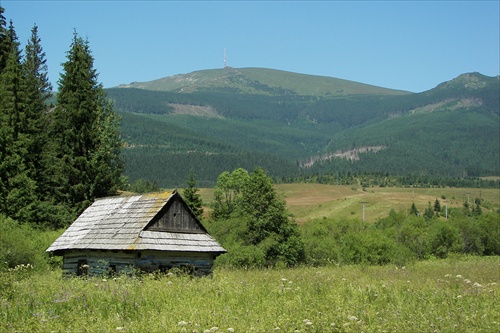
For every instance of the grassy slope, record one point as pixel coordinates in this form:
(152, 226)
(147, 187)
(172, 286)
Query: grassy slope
(244, 78)
(311, 201)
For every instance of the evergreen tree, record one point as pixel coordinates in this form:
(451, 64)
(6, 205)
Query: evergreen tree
(17, 189)
(437, 207)
(86, 134)
(413, 210)
(477, 208)
(429, 212)
(191, 196)
(38, 90)
(4, 40)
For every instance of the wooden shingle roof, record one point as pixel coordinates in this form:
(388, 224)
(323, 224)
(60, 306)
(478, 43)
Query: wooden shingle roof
(119, 223)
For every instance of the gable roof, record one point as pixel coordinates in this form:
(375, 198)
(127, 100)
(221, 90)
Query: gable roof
(121, 223)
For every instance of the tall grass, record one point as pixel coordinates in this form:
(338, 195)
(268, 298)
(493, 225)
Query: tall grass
(459, 294)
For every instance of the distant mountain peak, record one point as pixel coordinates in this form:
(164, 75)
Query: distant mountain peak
(261, 81)
(469, 81)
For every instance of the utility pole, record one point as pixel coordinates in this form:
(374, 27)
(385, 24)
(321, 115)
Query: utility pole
(364, 204)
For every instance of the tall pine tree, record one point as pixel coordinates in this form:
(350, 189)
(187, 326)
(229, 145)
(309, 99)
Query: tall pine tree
(86, 134)
(17, 189)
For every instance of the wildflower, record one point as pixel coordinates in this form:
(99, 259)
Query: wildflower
(307, 322)
(214, 329)
(182, 323)
(447, 275)
(459, 296)
(459, 276)
(230, 329)
(120, 328)
(477, 285)
(467, 281)
(332, 325)
(352, 318)
(283, 279)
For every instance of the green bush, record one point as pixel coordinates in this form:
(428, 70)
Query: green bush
(22, 245)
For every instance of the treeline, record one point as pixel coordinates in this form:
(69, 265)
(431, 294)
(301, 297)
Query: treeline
(367, 180)
(54, 159)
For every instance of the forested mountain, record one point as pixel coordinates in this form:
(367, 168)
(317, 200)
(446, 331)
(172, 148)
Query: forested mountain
(295, 125)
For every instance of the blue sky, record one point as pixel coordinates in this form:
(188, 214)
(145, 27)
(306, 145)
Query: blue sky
(395, 44)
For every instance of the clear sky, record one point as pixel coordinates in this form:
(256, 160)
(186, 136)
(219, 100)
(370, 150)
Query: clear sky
(404, 45)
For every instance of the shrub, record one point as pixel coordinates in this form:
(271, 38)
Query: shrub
(20, 244)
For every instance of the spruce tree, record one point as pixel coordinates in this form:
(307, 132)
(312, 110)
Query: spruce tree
(38, 90)
(86, 134)
(4, 40)
(191, 196)
(17, 189)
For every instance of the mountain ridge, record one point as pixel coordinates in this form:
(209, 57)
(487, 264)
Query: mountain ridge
(451, 130)
(261, 81)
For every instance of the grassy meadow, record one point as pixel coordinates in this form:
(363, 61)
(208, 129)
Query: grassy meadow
(460, 294)
(309, 201)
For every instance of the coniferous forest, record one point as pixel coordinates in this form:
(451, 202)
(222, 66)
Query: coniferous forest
(55, 159)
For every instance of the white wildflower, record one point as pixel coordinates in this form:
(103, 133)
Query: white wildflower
(230, 329)
(120, 328)
(182, 323)
(477, 285)
(307, 322)
(459, 276)
(214, 329)
(352, 318)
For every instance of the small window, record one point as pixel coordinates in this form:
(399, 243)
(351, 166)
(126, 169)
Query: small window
(82, 268)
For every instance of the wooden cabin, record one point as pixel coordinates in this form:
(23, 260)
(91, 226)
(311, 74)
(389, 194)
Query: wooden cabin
(148, 232)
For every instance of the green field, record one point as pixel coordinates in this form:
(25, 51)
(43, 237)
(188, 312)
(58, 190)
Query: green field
(459, 294)
(310, 201)
(456, 294)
